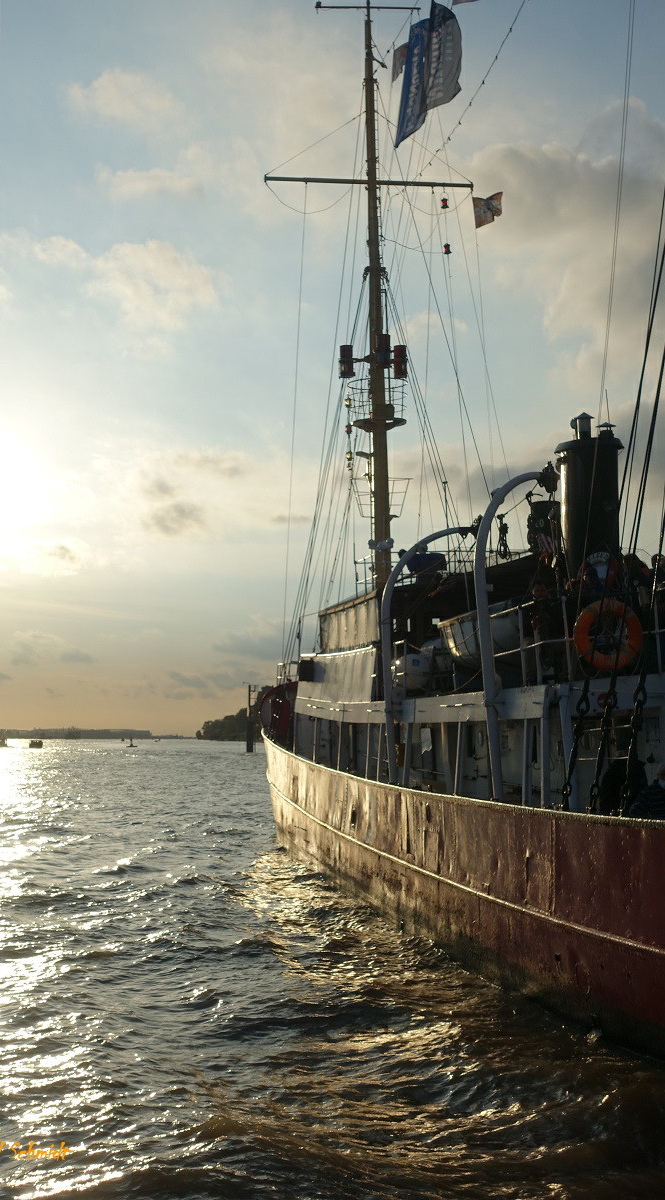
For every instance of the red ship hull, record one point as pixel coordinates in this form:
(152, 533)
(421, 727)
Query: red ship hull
(564, 906)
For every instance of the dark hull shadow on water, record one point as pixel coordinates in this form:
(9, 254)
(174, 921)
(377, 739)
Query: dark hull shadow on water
(405, 1076)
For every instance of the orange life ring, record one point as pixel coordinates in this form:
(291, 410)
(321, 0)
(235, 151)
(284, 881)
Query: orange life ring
(608, 635)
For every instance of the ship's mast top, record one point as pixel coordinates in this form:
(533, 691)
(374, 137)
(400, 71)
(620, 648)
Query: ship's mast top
(381, 416)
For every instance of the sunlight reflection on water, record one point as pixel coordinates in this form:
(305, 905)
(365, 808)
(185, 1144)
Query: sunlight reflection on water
(193, 1014)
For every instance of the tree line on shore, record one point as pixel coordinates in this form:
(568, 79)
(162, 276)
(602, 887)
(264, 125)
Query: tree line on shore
(232, 728)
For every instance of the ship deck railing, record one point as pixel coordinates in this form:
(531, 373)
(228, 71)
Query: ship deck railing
(532, 659)
(534, 651)
(542, 659)
(459, 562)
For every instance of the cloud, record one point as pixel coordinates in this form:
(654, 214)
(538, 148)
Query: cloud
(554, 245)
(230, 464)
(60, 559)
(233, 677)
(172, 510)
(215, 490)
(307, 98)
(645, 145)
(171, 514)
(123, 186)
(280, 106)
(198, 170)
(61, 252)
(422, 326)
(153, 284)
(128, 98)
(187, 687)
(63, 554)
(262, 641)
(287, 109)
(174, 519)
(294, 519)
(76, 656)
(33, 646)
(159, 488)
(189, 681)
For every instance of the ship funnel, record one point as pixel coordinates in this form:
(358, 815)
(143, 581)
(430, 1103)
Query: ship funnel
(589, 469)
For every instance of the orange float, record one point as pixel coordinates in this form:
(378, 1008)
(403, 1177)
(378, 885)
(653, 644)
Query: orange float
(608, 635)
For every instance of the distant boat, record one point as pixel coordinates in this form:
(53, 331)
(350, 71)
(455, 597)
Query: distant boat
(35, 744)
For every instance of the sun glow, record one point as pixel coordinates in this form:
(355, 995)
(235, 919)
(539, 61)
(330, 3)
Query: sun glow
(27, 492)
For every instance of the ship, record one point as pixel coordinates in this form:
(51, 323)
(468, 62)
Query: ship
(465, 743)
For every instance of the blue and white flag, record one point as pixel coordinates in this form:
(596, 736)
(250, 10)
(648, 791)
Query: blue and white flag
(431, 69)
(444, 57)
(411, 107)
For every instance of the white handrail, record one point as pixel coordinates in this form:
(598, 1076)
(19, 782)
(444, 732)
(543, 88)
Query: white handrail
(386, 638)
(490, 690)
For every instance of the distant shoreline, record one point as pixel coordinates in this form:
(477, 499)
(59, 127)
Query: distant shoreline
(74, 734)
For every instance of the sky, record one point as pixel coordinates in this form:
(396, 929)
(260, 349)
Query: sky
(167, 339)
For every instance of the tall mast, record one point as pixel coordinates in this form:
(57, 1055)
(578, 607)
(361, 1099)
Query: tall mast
(377, 426)
(381, 416)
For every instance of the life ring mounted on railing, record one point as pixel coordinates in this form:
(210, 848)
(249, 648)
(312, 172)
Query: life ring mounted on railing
(608, 635)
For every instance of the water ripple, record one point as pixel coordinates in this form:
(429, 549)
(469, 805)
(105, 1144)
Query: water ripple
(191, 1014)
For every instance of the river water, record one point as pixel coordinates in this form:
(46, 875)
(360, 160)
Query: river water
(185, 1012)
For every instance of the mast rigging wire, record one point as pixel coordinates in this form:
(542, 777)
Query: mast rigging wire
(330, 432)
(617, 209)
(659, 265)
(293, 418)
(454, 365)
(318, 142)
(411, 208)
(315, 211)
(655, 287)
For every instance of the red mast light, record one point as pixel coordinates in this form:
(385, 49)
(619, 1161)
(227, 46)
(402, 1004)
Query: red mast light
(399, 362)
(346, 367)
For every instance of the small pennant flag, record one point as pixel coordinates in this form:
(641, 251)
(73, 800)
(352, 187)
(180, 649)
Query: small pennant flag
(462, 2)
(484, 211)
(399, 59)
